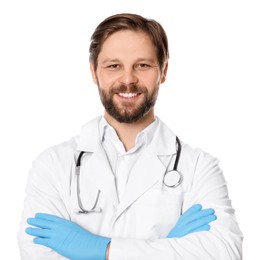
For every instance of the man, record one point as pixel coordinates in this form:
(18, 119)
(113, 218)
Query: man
(126, 187)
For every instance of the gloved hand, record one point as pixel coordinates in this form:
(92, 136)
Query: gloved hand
(195, 219)
(67, 238)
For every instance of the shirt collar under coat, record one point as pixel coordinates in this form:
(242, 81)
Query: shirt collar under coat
(163, 142)
(142, 138)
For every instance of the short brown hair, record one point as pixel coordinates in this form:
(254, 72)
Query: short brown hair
(127, 21)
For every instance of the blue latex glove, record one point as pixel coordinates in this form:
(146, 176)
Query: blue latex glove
(195, 219)
(67, 238)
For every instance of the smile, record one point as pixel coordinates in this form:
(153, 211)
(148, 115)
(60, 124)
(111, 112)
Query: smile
(128, 95)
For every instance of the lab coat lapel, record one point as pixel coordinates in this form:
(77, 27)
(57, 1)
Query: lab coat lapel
(148, 169)
(145, 173)
(100, 174)
(95, 167)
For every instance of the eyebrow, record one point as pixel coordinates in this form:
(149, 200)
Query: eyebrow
(110, 60)
(137, 60)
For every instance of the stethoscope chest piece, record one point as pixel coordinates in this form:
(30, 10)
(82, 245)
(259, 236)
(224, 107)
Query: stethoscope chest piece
(172, 179)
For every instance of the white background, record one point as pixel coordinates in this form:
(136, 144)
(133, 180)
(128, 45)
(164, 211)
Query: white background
(211, 98)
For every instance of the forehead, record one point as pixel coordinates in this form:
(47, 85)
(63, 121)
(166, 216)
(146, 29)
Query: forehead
(127, 44)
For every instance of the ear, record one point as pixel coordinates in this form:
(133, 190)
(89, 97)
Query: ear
(93, 73)
(164, 72)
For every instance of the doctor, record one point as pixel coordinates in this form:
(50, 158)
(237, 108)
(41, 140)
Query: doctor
(126, 187)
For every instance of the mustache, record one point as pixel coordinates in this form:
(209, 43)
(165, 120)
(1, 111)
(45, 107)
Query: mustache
(128, 89)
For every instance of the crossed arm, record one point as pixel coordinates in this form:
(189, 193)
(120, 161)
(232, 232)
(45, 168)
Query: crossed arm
(72, 241)
(184, 241)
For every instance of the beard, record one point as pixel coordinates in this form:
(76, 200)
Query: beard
(127, 112)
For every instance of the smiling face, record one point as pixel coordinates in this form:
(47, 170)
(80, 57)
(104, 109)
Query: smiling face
(128, 76)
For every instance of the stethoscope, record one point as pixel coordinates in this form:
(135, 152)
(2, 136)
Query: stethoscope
(171, 179)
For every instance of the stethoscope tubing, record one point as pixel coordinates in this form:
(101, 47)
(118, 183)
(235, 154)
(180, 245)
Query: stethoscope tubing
(94, 209)
(178, 153)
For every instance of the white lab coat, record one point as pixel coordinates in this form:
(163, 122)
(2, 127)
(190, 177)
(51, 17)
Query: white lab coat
(148, 210)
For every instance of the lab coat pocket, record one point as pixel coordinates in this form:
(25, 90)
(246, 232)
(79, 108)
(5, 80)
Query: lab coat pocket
(86, 204)
(85, 195)
(157, 211)
(89, 196)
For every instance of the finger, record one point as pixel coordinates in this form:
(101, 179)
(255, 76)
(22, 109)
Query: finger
(38, 232)
(204, 220)
(195, 208)
(42, 241)
(41, 223)
(197, 227)
(202, 228)
(198, 215)
(48, 217)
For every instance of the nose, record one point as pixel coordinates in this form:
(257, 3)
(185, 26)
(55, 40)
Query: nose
(128, 77)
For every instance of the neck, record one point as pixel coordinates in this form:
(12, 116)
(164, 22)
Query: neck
(127, 132)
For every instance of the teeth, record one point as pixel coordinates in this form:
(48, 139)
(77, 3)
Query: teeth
(127, 95)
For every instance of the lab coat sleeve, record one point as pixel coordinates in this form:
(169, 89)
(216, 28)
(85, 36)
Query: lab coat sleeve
(223, 241)
(42, 195)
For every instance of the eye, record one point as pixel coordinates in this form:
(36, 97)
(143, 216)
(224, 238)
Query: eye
(143, 66)
(113, 67)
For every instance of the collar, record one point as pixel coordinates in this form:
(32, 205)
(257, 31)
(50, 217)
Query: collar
(143, 137)
(163, 140)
